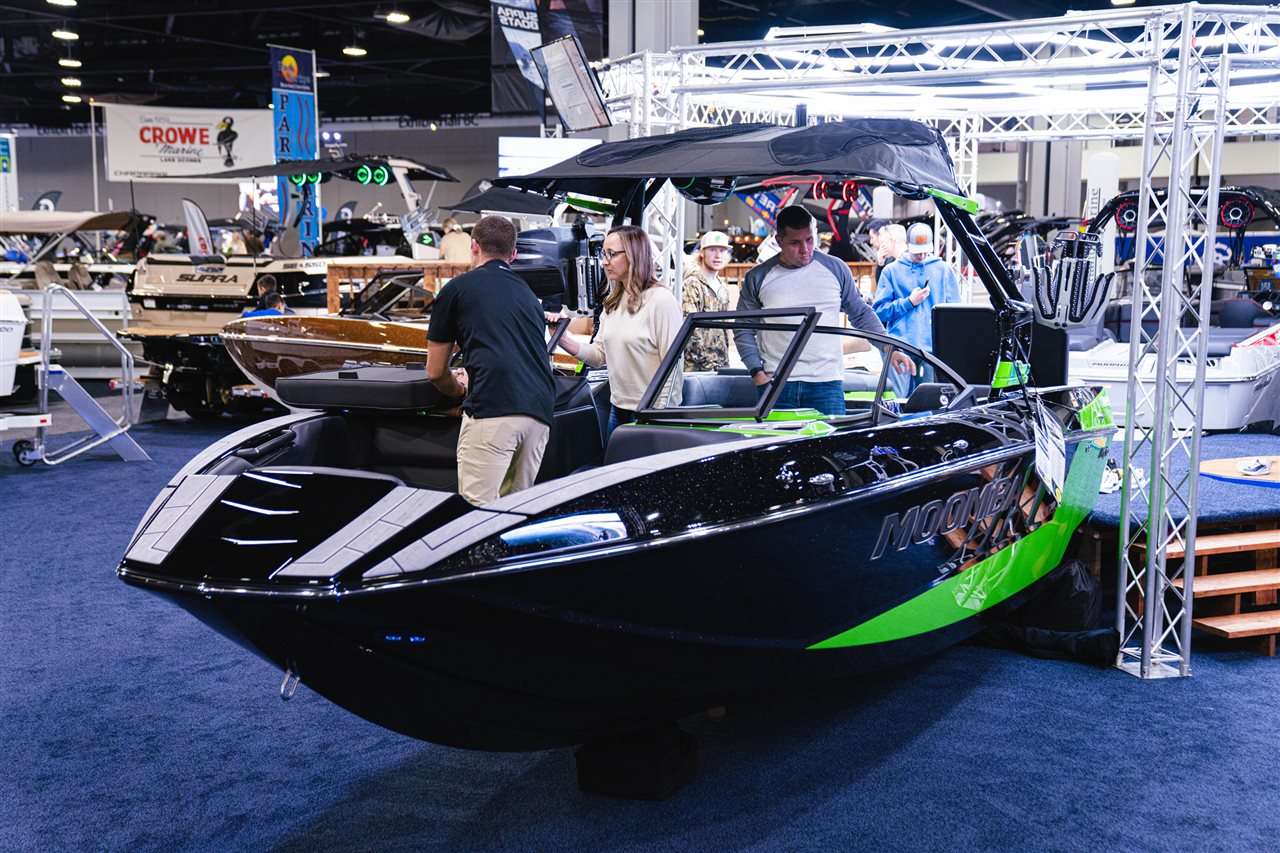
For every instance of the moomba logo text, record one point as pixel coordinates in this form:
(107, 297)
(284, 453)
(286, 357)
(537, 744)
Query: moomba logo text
(938, 517)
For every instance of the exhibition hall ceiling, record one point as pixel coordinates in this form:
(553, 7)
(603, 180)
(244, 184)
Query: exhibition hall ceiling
(436, 63)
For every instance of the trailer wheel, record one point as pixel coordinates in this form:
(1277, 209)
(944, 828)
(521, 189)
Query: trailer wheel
(23, 451)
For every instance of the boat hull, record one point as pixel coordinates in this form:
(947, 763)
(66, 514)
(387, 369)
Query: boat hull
(268, 349)
(452, 644)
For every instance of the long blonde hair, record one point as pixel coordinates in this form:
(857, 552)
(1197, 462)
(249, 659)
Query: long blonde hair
(640, 272)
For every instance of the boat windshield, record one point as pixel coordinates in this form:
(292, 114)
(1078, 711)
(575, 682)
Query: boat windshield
(392, 296)
(817, 372)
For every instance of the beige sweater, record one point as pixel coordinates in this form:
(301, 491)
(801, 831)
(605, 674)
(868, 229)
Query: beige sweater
(632, 345)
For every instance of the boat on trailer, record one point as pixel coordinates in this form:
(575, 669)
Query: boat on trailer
(718, 546)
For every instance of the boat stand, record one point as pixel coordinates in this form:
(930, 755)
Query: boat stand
(107, 429)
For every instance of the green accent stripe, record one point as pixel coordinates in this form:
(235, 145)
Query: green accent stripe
(966, 204)
(851, 396)
(588, 204)
(1003, 574)
(1005, 374)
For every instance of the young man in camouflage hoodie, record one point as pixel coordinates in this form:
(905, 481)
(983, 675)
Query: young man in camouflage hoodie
(704, 290)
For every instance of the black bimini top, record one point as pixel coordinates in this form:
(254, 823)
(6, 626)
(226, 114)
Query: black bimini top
(905, 154)
(414, 170)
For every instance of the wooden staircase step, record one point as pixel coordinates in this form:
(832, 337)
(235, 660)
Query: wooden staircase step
(1230, 543)
(1241, 624)
(1232, 583)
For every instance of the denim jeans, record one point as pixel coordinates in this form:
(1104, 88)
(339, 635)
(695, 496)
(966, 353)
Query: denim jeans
(617, 417)
(826, 397)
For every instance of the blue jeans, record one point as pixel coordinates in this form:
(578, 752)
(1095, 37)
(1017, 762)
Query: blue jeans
(826, 397)
(617, 417)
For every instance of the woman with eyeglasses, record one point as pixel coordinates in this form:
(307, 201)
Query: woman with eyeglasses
(637, 327)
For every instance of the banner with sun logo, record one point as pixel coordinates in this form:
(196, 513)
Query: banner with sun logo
(158, 143)
(297, 137)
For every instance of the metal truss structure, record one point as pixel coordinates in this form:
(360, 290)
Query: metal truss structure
(1180, 78)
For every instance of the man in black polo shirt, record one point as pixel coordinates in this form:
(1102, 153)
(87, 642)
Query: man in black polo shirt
(508, 395)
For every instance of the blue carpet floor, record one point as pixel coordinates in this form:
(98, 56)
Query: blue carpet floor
(1220, 501)
(127, 725)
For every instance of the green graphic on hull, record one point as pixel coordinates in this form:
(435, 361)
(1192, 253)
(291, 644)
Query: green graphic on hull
(1003, 574)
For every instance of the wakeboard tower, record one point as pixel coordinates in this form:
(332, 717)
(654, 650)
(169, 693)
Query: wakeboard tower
(718, 546)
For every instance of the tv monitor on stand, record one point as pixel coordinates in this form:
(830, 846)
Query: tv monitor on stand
(571, 84)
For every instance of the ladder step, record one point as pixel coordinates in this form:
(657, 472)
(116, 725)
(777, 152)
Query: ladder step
(1232, 583)
(1230, 543)
(1241, 624)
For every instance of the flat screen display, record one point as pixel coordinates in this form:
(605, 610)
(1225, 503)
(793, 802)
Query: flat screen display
(571, 84)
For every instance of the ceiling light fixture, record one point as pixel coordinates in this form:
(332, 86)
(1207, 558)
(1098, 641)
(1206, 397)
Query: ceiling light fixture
(71, 82)
(1122, 2)
(397, 17)
(65, 35)
(71, 99)
(67, 62)
(354, 50)
(62, 2)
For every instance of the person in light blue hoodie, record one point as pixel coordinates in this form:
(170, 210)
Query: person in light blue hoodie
(905, 295)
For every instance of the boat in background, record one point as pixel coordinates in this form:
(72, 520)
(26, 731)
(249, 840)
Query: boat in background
(56, 247)
(182, 302)
(385, 323)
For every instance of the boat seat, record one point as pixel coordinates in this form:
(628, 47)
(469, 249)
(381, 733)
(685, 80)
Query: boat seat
(1240, 313)
(635, 441)
(404, 388)
(860, 380)
(727, 391)
(422, 451)
(576, 430)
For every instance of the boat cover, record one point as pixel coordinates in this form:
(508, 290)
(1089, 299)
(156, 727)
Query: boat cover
(416, 171)
(62, 221)
(896, 151)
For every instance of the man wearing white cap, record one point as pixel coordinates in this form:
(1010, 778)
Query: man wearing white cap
(908, 289)
(704, 290)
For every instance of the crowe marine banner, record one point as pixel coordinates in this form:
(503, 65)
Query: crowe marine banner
(155, 143)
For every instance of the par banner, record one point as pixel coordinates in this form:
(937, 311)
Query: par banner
(8, 173)
(156, 143)
(296, 136)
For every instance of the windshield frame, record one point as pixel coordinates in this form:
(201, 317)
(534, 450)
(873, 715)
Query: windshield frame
(804, 329)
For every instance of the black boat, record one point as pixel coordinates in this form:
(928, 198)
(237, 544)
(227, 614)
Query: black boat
(716, 547)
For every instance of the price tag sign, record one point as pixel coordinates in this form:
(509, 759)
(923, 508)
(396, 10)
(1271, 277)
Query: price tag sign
(1051, 450)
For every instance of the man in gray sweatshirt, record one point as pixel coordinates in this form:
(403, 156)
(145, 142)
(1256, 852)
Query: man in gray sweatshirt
(800, 277)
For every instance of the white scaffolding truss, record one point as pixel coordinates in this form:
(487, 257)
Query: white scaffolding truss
(1180, 78)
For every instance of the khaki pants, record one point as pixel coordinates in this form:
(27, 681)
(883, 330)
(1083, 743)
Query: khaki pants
(498, 456)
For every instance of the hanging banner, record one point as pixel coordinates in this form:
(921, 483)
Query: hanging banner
(8, 173)
(155, 143)
(296, 137)
(521, 25)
